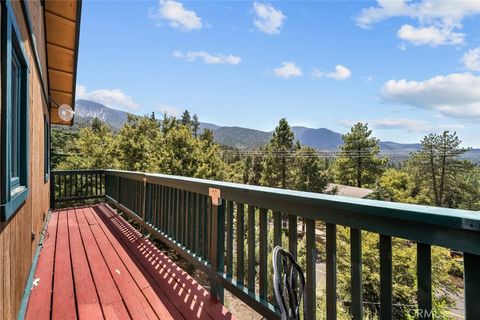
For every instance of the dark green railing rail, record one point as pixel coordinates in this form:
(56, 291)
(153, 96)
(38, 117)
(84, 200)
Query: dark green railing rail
(222, 228)
(73, 187)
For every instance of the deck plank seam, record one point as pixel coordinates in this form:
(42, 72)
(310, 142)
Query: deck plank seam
(88, 263)
(157, 284)
(122, 262)
(204, 303)
(102, 303)
(95, 236)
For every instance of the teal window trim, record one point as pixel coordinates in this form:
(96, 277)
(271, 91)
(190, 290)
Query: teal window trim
(14, 136)
(46, 149)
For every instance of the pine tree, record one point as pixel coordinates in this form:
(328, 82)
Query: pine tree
(186, 120)
(93, 148)
(207, 136)
(195, 125)
(358, 163)
(278, 158)
(438, 165)
(308, 171)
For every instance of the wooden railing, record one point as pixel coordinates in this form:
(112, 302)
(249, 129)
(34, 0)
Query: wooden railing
(219, 227)
(73, 187)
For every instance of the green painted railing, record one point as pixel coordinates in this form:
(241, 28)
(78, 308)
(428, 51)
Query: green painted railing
(72, 187)
(222, 228)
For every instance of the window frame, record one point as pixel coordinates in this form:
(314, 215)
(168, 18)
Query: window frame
(13, 190)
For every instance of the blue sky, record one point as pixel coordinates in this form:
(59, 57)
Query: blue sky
(405, 67)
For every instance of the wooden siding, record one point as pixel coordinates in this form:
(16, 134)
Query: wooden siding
(16, 245)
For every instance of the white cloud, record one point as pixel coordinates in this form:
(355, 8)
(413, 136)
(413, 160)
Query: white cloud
(431, 35)
(340, 73)
(177, 15)
(471, 59)
(208, 58)
(413, 125)
(455, 95)
(410, 125)
(288, 70)
(111, 98)
(437, 20)
(169, 110)
(267, 18)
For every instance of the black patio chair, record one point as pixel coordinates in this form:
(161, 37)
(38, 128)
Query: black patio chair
(288, 284)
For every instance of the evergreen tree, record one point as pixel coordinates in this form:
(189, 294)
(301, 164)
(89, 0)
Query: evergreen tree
(309, 174)
(94, 147)
(195, 125)
(207, 136)
(247, 169)
(278, 158)
(186, 120)
(438, 166)
(252, 170)
(168, 123)
(358, 163)
(139, 143)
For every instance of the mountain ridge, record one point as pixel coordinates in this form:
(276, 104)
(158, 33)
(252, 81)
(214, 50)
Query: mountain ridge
(322, 139)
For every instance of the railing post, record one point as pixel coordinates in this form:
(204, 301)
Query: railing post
(471, 264)
(217, 243)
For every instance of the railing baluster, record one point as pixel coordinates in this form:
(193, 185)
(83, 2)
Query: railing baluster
(175, 213)
(385, 277)
(169, 210)
(161, 208)
(191, 226)
(277, 229)
(206, 228)
(292, 235)
(196, 224)
(240, 242)
(229, 245)
(70, 194)
(148, 203)
(356, 273)
(180, 218)
(251, 248)
(424, 280)
(263, 247)
(311, 270)
(201, 223)
(331, 269)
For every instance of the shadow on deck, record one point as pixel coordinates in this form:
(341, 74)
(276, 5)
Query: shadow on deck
(95, 265)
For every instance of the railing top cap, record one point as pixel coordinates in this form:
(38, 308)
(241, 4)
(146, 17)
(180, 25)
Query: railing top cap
(453, 218)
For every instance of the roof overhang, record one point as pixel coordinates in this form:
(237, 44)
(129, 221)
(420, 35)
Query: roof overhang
(62, 29)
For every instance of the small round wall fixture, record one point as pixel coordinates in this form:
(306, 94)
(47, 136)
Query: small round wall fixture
(65, 112)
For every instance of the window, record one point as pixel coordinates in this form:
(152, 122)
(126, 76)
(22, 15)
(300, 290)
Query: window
(14, 117)
(46, 148)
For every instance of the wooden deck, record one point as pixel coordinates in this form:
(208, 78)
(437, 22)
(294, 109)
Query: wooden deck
(94, 265)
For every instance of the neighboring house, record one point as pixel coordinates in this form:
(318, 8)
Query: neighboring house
(39, 45)
(348, 191)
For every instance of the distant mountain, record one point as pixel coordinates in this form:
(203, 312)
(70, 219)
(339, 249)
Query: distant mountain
(241, 138)
(86, 111)
(244, 138)
(321, 139)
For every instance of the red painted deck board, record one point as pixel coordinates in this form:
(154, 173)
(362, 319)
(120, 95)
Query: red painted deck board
(88, 303)
(95, 265)
(44, 273)
(63, 292)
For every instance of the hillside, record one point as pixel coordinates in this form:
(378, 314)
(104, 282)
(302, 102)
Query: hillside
(244, 138)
